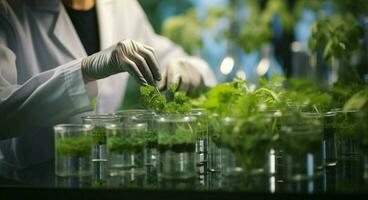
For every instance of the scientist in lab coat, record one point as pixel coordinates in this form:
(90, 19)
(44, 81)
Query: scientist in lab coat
(47, 77)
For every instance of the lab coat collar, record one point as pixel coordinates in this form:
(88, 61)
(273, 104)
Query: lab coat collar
(62, 30)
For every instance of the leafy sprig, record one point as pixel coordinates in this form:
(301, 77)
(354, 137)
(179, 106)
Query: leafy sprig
(173, 103)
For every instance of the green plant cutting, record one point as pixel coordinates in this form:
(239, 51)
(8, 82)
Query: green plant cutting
(126, 144)
(183, 136)
(173, 103)
(74, 146)
(99, 135)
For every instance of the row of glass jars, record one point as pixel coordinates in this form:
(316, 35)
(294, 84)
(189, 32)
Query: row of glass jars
(277, 151)
(134, 146)
(305, 152)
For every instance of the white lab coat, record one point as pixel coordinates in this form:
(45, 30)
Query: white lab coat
(40, 78)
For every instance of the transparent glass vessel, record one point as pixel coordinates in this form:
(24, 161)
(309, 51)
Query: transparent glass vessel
(301, 137)
(201, 129)
(100, 158)
(150, 151)
(348, 140)
(73, 146)
(176, 144)
(125, 144)
(99, 133)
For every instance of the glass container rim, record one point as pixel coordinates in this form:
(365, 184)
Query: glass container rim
(75, 127)
(103, 116)
(198, 111)
(130, 111)
(175, 118)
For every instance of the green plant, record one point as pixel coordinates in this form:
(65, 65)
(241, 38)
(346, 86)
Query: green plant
(74, 146)
(173, 102)
(338, 36)
(151, 139)
(185, 30)
(250, 139)
(359, 103)
(99, 135)
(181, 140)
(126, 144)
(257, 31)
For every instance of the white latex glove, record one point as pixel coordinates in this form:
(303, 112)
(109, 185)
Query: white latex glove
(126, 56)
(183, 73)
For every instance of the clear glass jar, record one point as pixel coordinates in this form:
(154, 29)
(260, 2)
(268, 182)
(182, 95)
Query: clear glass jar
(73, 147)
(99, 152)
(348, 141)
(216, 154)
(150, 153)
(99, 133)
(301, 137)
(125, 144)
(201, 129)
(176, 144)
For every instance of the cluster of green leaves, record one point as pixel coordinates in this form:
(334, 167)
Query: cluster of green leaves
(337, 35)
(74, 146)
(301, 133)
(126, 144)
(262, 116)
(358, 102)
(185, 30)
(151, 139)
(306, 95)
(99, 135)
(257, 31)
(181, 140)
(173, 103)
(250, 139)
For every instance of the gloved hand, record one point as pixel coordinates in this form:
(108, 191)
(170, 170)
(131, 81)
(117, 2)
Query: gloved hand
(183, 73)
(126, 56)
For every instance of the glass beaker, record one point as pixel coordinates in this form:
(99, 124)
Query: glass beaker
(99, 152)
(150, 153)
(348, 141)
(99, 133)
(73, 146)
(301, 137)
(176, 144)
(125, 144)
(201, 129)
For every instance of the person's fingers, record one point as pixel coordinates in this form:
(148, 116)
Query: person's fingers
(185, 79)
(162, 85)
(152, 62)
(173, 77)
(184, 85)
(133, 70)
(144, 68)
(149, 48)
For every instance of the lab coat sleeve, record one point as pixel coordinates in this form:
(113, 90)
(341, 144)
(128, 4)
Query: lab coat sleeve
(45, 99)
(166, 49)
